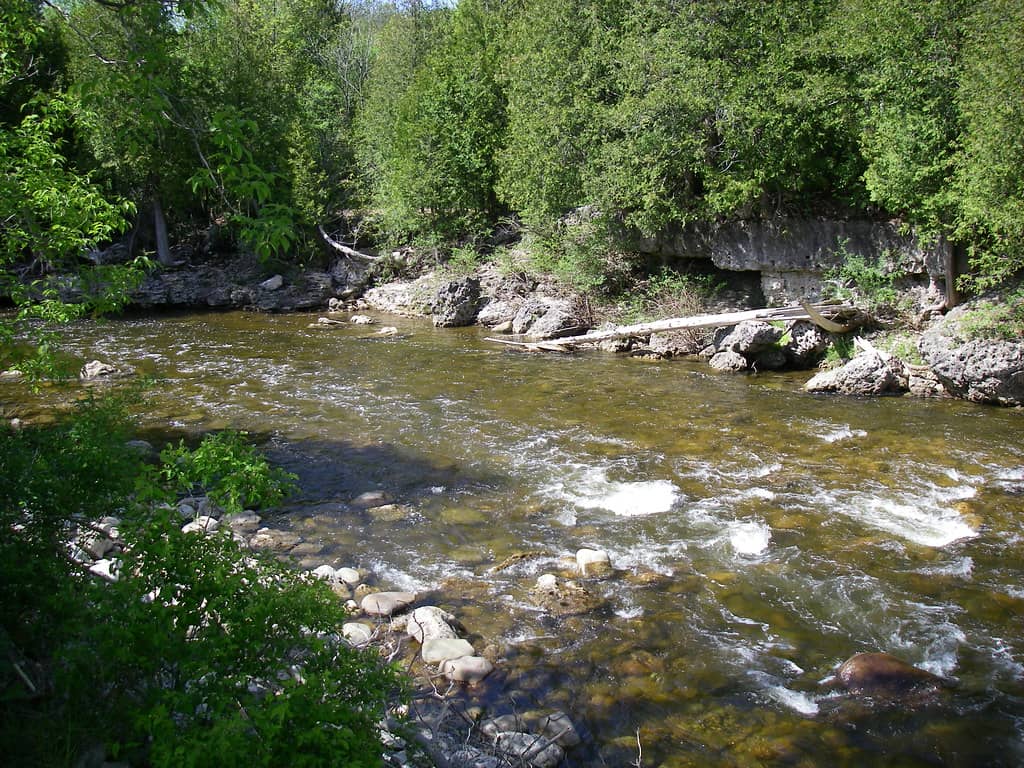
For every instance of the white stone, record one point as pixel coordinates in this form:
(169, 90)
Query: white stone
(441, 649)
(273, 283)
(388, 330)
(547, 581)
(593, 560)
(500, 724)
(361, 320)
(325, 572)
(202, 524)
(467, 669)
(387, 603)
(350, 576)
(356, 632)
(105, 569)
(429, 622)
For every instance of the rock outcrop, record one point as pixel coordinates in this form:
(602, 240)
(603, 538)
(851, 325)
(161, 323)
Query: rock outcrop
(869, 373)
(979, 370)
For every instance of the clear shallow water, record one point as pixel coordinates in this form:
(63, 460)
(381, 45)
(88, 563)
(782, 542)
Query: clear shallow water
(761, 535)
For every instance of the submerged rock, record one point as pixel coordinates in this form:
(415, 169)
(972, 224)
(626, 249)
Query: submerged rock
(563, 598)
(885, 675)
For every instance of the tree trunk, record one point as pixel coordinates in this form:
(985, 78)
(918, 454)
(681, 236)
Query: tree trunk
(163, 247)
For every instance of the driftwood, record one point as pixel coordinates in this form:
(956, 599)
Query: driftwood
(814, 313)
(343, 249)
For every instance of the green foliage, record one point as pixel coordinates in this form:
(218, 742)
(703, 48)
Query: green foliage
(996, 318)
(582, 251)
(668, 294)
(839, 351)
(990, 168)
(227, 469)
(200, 654)
(870, 281)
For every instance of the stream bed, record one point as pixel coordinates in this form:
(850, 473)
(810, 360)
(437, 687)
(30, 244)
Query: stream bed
(760, 535)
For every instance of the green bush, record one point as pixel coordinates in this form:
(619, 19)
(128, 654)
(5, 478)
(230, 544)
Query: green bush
(201, 654)
(872, 282)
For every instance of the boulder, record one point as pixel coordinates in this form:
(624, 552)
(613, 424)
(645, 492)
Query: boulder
(467, 669)
(386, 603)
(271, 540)
(544, 317)
(678, 343)
(202, 524)
(559, 728)
(529, 749)
(979, 370)
(274, 283)
(593, 561)
(356, 632)
(806, 346)
(769, 359)
(729, 361)
(456, 303)
(428, 622)
(441, 649)
(869, 373)
(563, 598)
(881, 674)
(749, 337)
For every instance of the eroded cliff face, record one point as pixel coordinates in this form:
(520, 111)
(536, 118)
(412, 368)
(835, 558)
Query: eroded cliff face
(792, 256)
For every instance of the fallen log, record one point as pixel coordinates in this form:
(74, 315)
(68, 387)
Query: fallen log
(814, 313)
(343, 249)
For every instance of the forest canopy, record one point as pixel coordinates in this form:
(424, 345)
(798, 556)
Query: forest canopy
(267, 119)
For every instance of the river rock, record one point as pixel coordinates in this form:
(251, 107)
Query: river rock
(387, 603)
(456, 303)
(106, 569)
(729, 361)
(356, 632)
(274, 283)
(95, 544)
(467, 669)
(869, 373)
(806, 346)
(544, 317)
(559, 728)
(202, 524)
(440, 649)
(325, 572)
(245, 521)
(593, 561)
(96, 369)
(272, 540)
(370, 499)
(748, 338)
(881, 674)
(388, 513)
(361, 320)
(769, 359)
(678, 343)
(530, 749)
(502, 724)
(428, 622)
(350, 576)
(563, 598)
(979, 370)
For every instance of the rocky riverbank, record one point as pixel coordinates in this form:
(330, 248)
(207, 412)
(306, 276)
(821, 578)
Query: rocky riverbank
(944, 358)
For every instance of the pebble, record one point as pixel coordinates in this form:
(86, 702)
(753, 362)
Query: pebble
(387, 603)
(467, 669)
(440, 649)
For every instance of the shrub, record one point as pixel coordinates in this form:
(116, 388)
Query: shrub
(201, 654)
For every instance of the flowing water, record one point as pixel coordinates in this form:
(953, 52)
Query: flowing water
(760, 535)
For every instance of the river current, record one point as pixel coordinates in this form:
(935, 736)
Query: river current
(760, 535)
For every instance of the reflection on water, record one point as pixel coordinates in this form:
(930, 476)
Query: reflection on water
(760, 535)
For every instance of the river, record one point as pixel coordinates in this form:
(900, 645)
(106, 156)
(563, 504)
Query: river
(760, 535)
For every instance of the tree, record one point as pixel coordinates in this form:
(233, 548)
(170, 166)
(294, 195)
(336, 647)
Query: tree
(990, 166)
